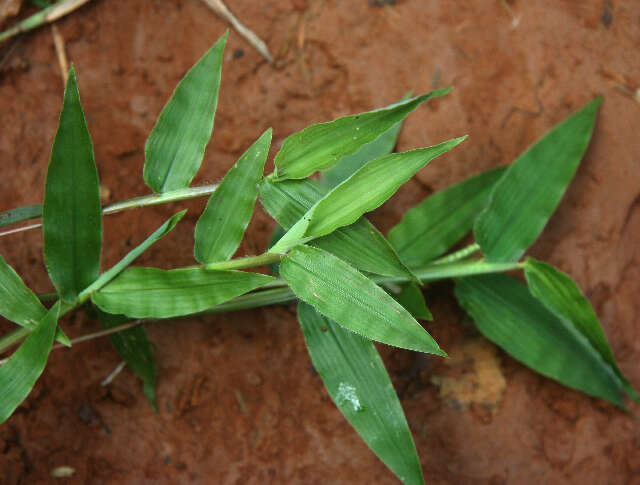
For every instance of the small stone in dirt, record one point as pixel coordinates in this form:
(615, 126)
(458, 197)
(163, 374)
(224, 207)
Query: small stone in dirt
(381, 3)
(238, 53)
(607, 14)
(63, 472)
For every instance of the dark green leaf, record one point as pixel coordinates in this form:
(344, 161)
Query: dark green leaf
(20, 214)
(156, 293)
(20, 373)
(561, 295)
(175, 147)
(523, 200)
(319, 147)
(71, 213)
(431, 228)
(410, 296)
(358, 383)
(364, 191)
(507, 314)
(222, 224)
(345, 295)
(135, 349)
(360, 244)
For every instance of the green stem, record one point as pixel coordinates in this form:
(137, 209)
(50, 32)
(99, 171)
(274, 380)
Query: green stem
(458, 255)
(247, 262)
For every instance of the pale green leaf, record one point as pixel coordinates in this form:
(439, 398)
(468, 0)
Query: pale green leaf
(221, 226)
(320, 146)
(20, 373)
(175, 147)
(20, 214)
(364, 191)
(157, 293)
(507, 314)
(526, 196)
(432, 227)
(358, 383)
(561, 295)
(71, 213)
(341, 293)
(288, 201)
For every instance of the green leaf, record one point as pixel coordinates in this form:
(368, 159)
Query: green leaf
(135, 349)
(19, 304)
(20, 214)
(320, 146)
(358, 383)
(221, 226)
(432, 227)
(20, 373)
(278, 232)
(507, 314)
(522, 201)
(410, 296)
(350, 164)
(71, 213)
(156, 293)
(364, 191)
(345, 295)
(288, 201)
(561, 295)
(131, 256)
(175, 147)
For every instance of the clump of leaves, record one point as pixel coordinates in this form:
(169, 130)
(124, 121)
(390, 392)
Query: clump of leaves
(354, 286)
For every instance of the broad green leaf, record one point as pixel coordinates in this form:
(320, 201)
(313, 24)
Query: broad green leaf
(131, 256)
(19, 214)
(523, 200)
(71, 213)
(357, 381)
(364, 191)
(507, 314)
(135, 349)
(19, 304)
(221, 226)
(157, 293)
(561, 295)
(349, 164)
(345, 295)
(320, 146)
(175, 147)
(432, 227)
(20, 373)
(288, 201)
(410, 296)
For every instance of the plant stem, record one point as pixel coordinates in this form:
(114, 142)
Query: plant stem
(458, 255)
(247, 262)
(135, 203)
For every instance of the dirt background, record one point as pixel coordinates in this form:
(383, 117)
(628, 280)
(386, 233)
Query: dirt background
(239, 402)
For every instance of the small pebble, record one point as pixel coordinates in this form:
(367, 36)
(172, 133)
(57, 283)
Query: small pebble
(63, 472)
(238, 53)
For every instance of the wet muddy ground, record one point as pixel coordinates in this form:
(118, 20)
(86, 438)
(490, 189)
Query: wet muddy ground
(239, 401)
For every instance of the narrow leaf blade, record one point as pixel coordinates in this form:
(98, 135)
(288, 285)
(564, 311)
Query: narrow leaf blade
(364, 191)
(432, 227)
(561, 296)
(345, 295)
(19, 214)
(288, 201)
(507, 314)
(320, 146)
(71, 213)
(175, 147)
(524, 199)
(20, 373)
(156, 293)
(357, 381)
(221, 226)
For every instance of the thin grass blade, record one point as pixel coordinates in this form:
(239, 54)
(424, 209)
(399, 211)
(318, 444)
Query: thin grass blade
(357, 381)
(431, 228)
(320, 146)
(19, 214)
(526, 196)
(561, 296)
(175, 147)
(221, 226)
(71, 213)
(157, 293)
(20, 373)
(507, 314)
(345, 295)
